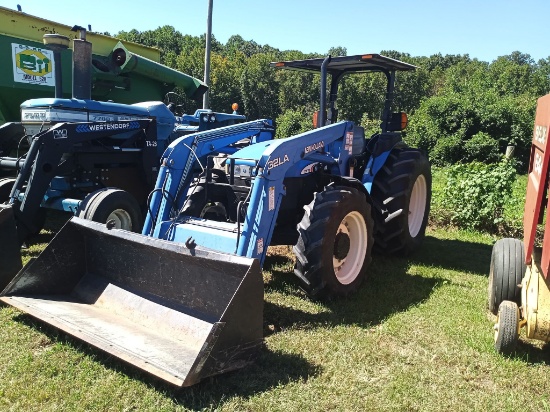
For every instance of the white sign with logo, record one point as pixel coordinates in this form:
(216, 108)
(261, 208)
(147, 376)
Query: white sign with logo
(32, 65)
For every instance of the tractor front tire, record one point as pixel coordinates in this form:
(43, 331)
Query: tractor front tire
(335, 242)
(506, 272)
(401, 192)
(112, 204)
(507, 328)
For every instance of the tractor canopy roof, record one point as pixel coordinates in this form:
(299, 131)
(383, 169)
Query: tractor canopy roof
(341, 64)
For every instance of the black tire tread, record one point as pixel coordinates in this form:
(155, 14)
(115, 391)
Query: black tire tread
(506, 272)
(391, 192)
(309, 248)
(508, 321)
(98, 205)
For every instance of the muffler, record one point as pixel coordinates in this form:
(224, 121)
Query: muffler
(180, 314)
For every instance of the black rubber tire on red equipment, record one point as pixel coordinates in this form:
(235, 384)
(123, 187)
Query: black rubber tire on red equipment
(401, 193)
(506, 272)
(335, 242)
(112, 204)
(506, 328)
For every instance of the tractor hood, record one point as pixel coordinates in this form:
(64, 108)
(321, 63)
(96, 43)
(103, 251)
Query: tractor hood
(40, 114)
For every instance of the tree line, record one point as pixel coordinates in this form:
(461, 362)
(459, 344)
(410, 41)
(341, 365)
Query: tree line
(460, 109)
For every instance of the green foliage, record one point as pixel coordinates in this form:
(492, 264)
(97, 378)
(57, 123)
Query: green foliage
(371, 126)
(293, 122)
(259, 88)
(475, 195)
(460, 109)
(453, 128)
(482, 148)
(446, 150)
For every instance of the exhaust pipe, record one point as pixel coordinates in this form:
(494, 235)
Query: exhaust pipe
(82, 65)
(57, 43)
(180, 314)
(82, 62)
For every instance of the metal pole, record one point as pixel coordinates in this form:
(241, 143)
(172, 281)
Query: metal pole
(205, 100)
(323, 105)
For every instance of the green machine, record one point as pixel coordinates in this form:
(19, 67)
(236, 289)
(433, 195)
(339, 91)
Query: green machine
(123, 72)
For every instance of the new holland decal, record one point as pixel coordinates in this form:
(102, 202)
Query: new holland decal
(314, 147)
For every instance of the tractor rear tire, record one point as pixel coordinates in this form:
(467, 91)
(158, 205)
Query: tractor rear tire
(507, 328)
(335, 242)
(401, 192)
(506, 272)
(6, 184)
(112, 204)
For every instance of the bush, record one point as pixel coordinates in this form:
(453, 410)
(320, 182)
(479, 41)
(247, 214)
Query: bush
(292, 122)
(482, 148)
(478, 125)
(371, 126)
(447, 150)
(475, 195)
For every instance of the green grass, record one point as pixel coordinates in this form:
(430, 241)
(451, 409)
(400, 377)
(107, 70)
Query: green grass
(416, 337)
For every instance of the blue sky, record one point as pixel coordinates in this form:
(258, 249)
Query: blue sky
(484, 29)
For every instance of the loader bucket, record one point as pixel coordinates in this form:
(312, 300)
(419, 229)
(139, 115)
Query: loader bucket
(10, 249)
(179, 314)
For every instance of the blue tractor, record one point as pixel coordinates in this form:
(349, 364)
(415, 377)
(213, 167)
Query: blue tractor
(184, 300)
(99, 173)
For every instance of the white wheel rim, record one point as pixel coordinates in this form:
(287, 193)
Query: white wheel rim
(348, 268)
(417, 205)
(122, 219)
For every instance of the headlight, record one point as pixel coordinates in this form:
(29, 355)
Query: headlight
(212, 118)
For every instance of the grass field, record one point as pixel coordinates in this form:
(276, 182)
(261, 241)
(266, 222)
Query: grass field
(417, 336)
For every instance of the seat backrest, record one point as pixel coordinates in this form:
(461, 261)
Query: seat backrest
(358, 140)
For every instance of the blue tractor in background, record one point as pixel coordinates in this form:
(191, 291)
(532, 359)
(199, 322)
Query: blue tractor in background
(98, 176)
(184, 300)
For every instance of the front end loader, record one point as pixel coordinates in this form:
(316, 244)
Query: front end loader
(97, 160)
(221, 198)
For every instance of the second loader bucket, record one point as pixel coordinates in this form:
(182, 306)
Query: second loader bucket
(179, 314)
(10, 249)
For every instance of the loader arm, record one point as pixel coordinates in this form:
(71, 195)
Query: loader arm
(276, 163)
(183, 155)
(44, 161)
(276, 160)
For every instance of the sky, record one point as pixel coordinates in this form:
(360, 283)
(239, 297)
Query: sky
(483, 29)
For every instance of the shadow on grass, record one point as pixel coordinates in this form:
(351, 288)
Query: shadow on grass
(528, 353)
(271, 369)
(456, 255)
(388, 289)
